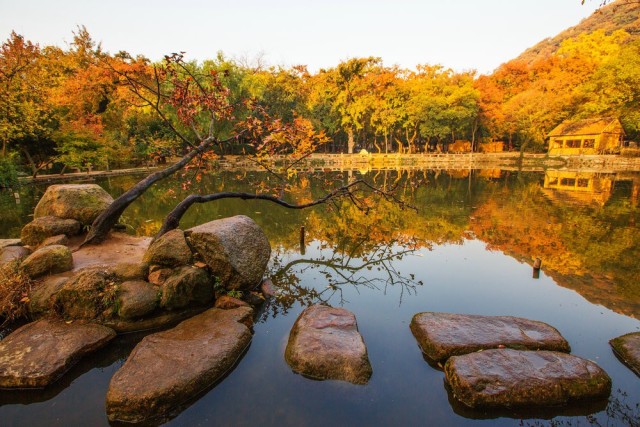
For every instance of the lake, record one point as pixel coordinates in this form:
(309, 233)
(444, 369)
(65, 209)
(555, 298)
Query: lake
(466, 244)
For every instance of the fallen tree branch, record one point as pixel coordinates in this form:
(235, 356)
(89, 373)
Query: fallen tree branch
(172, 221)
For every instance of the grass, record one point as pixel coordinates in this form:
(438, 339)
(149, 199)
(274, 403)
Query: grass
(15, 287)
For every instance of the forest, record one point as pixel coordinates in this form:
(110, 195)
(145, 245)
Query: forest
(71, 108)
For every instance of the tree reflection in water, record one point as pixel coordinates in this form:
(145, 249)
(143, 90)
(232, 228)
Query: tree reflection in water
(373, 270)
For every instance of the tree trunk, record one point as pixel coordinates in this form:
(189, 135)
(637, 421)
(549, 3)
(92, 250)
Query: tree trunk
(32, 164)
(350, 142)
(110, 216)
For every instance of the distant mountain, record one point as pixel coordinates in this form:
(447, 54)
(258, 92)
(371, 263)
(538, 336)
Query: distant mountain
(618, 15)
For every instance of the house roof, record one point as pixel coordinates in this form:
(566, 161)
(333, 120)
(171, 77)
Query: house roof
(593, 126)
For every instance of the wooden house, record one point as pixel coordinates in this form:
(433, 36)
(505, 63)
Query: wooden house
(492, 147)
(460, 146)
(588, 136)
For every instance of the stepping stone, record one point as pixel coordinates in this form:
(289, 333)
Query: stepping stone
(510, 378)
(442, 335)
(168, 368)
(627, 348)
(324, 343)
(37, 354)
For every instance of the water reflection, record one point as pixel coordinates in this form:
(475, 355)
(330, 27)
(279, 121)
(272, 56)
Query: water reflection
(468, 248)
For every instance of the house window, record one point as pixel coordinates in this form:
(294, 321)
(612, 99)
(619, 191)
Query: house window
(573, 143)
(568, 182)
(557, 143)
(583, 182)
(588, 143)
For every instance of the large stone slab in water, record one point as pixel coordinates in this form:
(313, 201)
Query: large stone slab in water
(235, 249)
(324, 343)
(627, 348)
(168, 368)
(38, 353)
(442, 335)
(511, 378)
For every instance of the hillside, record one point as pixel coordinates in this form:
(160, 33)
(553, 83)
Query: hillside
(619, 15)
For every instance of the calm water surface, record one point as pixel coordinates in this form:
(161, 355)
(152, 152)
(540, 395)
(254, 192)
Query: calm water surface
(468, 248)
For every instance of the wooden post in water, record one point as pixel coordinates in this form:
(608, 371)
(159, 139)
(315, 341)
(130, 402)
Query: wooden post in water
(537, 263)
(302, 245)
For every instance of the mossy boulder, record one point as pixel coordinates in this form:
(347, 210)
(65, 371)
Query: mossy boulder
(87, 294)
(41, 228)
(48, 260)
(188, 286)
(82, 202)
(169, 250)
(137, 298)
(41, 298)
(130, 271)
(59, 239)
(235, 249)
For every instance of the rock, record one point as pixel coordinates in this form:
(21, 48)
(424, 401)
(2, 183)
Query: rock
(157, 321)
(48, 260)
(136, 299)
(267, 289)
(254, 298)
(158, 276)
(187, 286)
(41, 298)
(169, 250)
(442, 335)
(226, 302)
(82, 202)
(235, 249)
(13, 253)
(38, 353)
(41, 228)
(508, 378)
(168, 368)
(130, 271)
(324, 343)
(60, 239)
(627, 348)
(10, 242)
(87, 294)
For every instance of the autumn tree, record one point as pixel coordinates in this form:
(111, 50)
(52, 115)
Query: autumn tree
(25, 113)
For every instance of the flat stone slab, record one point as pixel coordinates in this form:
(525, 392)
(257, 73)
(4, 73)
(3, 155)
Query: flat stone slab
(627, 348)
(168, 368)
(324, 343)
(442, 335)
(38, 353)
(510, 378)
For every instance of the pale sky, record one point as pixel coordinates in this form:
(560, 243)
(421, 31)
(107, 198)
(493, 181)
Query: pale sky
(460, 34)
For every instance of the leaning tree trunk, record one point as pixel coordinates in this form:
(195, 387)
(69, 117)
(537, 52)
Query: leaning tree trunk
(110, 216)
